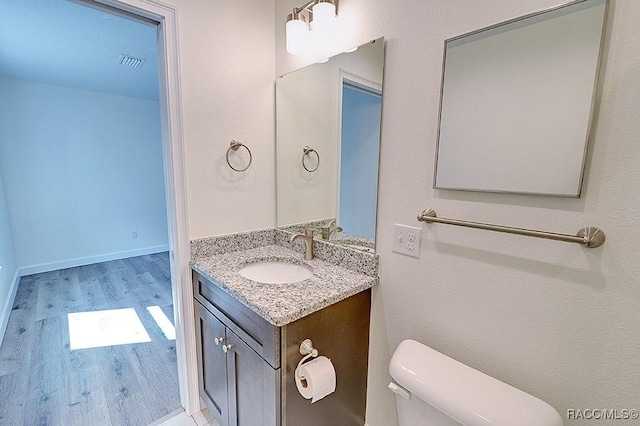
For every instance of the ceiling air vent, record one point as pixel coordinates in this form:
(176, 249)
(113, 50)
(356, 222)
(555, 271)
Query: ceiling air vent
(131, 61)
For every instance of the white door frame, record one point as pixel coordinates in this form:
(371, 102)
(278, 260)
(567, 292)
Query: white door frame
(175, 189)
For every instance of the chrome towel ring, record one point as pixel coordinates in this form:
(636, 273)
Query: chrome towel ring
(235, 145)
(306, 151)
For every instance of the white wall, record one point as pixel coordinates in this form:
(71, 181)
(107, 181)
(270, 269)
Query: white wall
(7, 259)
(227, 77)
(82, 170)
(554, 319)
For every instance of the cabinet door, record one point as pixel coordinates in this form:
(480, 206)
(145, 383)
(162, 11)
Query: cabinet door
(212, 364)
(254, 386)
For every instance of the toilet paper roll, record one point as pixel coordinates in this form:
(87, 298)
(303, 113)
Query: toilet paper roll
(316, 379)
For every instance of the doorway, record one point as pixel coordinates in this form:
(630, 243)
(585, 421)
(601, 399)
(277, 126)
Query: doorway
(360, 106)
(173, 166)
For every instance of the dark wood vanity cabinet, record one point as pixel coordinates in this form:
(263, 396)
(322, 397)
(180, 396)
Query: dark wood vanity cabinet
(246, 365)
(238, 386)
(212, 364)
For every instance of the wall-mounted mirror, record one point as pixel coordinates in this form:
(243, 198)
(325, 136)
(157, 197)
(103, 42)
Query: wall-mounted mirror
(517, 103)
(327, 143)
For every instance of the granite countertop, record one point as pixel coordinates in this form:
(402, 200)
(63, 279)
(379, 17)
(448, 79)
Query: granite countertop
(281, 304)
(352, 240)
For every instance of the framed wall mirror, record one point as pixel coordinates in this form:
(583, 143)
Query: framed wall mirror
(328, 145)
(517, 102)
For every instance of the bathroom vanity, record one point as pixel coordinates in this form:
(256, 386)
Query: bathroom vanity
(249, 333)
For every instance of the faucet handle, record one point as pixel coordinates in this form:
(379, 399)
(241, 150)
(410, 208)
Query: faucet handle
(308, 231)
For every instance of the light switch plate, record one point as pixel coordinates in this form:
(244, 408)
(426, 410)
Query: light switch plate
(406, 240)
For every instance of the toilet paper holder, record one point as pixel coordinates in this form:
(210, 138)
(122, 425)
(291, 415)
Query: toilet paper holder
(306, 348)
(318, 377)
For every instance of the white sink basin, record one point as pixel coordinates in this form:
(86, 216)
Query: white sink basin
(274, 272)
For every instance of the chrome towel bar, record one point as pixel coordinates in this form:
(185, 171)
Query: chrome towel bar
(589, 236)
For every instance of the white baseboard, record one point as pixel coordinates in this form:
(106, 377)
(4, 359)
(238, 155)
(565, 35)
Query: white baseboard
(8, 305)
(54, 266)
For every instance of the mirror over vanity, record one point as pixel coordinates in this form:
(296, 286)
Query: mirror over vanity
(517, 100)
(327, 146)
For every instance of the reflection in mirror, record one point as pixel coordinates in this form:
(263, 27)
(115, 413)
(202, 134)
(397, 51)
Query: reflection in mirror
(517, 102)
(328, 145)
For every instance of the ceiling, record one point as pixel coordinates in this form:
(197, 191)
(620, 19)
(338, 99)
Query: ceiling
(65, 43)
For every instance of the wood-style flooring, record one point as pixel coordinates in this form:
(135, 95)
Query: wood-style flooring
(43, 382)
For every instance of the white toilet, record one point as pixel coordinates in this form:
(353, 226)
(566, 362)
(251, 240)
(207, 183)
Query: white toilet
(435, 390)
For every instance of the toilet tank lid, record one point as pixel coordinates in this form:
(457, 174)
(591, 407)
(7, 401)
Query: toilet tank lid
(465, 394)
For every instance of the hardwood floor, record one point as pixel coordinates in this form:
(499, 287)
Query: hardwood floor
(45, 382)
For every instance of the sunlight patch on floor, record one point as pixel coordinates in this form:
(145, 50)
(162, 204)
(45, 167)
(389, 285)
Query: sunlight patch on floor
(163, 322)
(105, 328)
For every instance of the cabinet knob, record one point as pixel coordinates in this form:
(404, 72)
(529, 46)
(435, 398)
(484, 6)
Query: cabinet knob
(218, 340)
(226, 348)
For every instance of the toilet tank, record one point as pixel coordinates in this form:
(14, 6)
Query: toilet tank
(435, 390)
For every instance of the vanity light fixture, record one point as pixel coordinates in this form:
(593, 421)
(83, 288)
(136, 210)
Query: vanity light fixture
(304, 30)
(297, 32)
(324, 15)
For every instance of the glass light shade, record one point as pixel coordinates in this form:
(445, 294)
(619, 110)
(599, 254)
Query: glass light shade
(296, 33)
(324, 16)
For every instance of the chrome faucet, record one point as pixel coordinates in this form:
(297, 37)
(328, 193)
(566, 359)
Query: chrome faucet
(326, 231)
(307, 237)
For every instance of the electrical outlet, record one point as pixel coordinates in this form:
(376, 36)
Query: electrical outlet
(406, 240)
(134, 234)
